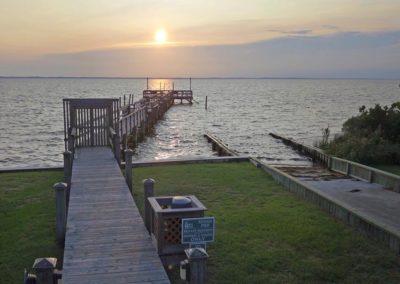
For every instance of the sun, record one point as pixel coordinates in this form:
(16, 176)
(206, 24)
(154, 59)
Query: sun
(160, 36)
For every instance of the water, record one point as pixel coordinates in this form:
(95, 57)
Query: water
(240, 111)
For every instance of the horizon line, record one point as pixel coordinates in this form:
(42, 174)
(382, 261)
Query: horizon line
(212, 77)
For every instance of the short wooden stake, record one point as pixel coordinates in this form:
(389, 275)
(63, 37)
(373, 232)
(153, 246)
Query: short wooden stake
(128, 168)
(206, 103)
(148, 187)
(197, 258)
(61, 213)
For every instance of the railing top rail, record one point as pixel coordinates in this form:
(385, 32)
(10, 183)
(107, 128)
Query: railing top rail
(394, 176)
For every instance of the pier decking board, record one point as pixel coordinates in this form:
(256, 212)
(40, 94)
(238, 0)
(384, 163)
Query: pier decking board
(106, 240)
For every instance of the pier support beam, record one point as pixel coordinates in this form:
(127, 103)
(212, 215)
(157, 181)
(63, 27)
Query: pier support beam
(61, 212)
(148, 187)
(128, 168)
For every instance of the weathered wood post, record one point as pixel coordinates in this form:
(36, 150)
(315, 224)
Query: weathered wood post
(44, 270)
(61, 213)
(370, 176)
(67, 166)
(347, 168)
(197, 258)
(148, 187)
(117, 152)
(68, 159)
(128, 168)
(329, 163)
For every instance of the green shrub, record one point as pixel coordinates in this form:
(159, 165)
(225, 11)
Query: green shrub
(373, 136)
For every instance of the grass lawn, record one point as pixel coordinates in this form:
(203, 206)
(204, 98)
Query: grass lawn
(27, 221)
(267, 235)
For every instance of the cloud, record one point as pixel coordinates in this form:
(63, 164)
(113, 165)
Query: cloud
(330, 27)
(290, 32)
(340, 55)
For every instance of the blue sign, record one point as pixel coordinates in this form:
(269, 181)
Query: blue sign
(198, 230)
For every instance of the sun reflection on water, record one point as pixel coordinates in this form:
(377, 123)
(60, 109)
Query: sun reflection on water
(160, 84)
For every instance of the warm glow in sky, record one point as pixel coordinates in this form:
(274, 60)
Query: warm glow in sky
(33, 29)
(160, 36)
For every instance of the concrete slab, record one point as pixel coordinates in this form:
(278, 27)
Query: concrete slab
(370, 200)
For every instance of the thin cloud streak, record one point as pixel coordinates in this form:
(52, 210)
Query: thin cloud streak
(341, 55)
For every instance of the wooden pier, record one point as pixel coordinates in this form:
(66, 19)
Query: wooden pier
(106, 240)
(105, 237)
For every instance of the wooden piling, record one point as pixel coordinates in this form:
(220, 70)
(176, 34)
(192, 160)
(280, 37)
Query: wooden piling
(148, 187)
(128, 168)
(61, 213)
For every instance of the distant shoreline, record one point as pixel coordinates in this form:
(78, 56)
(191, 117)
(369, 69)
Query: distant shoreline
(196, 78)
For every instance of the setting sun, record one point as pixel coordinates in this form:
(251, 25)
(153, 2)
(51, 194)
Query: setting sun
(161, 36)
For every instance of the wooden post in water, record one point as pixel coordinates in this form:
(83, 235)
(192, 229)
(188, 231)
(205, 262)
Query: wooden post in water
(128, 168)
(148, 187)
(61, 213)
(206, 103)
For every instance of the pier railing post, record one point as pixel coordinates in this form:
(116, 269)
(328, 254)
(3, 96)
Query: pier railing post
(148, 186)
(44, 270)
(128, 168)
(61, 213)
(117, 152)
(67, 166)
(67, 174)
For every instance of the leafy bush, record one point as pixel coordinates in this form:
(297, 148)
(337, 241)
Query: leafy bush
(373, 136)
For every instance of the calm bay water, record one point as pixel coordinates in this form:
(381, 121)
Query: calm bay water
(240, 111)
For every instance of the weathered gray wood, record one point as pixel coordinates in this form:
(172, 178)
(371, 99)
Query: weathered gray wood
(61, 213)
(128, 168)
(44, 270)
(221, 147)
(106, 240)
(67, 166)
(148, 187)
(197, 258)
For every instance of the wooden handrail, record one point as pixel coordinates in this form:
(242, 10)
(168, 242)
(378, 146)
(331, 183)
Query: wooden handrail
(112, 131)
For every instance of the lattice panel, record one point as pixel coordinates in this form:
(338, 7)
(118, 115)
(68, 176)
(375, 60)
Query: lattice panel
(172, 230)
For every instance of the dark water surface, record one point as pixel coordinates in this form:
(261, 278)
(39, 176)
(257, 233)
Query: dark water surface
(240, 111)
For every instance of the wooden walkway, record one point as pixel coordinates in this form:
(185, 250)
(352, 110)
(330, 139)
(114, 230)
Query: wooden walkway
(106, 240)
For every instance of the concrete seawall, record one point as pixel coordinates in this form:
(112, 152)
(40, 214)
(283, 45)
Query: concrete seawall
(366, 224)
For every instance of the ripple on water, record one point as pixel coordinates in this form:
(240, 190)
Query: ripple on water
(241, 112)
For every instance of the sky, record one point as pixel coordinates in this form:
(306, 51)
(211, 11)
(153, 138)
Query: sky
(207, 38)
